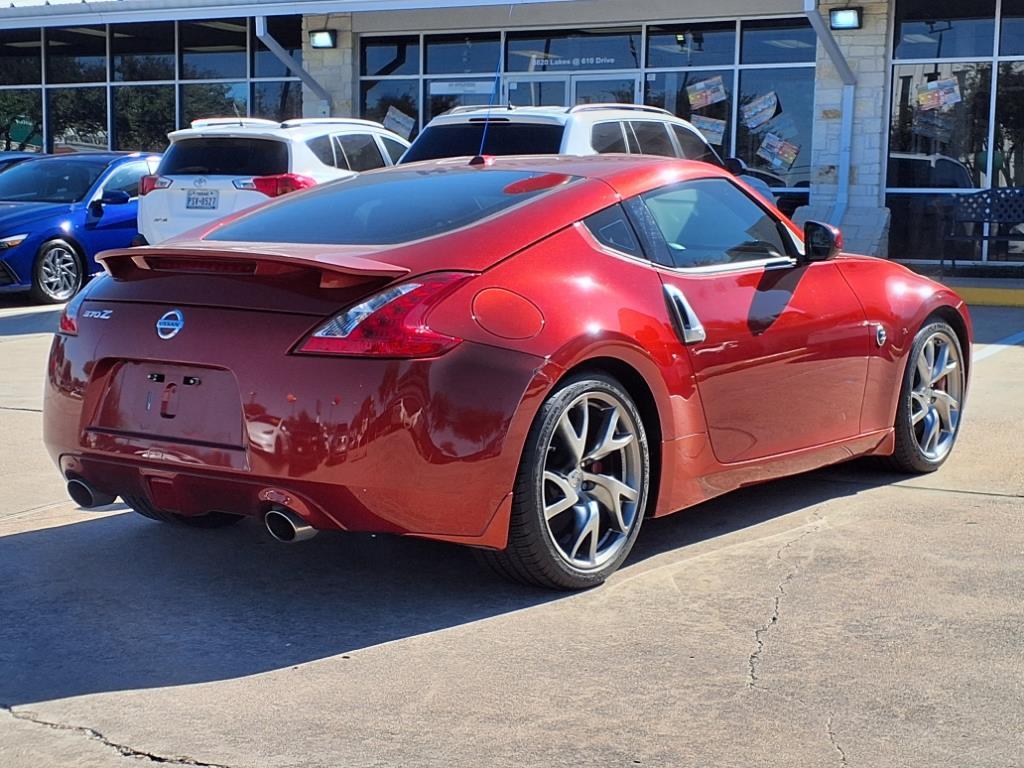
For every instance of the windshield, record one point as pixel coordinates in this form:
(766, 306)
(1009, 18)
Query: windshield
(57, 180)
(463, 139)
(390, 206)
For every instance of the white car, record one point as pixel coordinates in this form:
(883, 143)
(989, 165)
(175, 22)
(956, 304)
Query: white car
(224, 165)
(586, 129)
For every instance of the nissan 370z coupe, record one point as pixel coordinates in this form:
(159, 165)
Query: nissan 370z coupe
(524, 355)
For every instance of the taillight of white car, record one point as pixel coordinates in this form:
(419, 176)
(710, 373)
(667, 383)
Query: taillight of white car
(276, 185)
(391, 323)
(149, 183)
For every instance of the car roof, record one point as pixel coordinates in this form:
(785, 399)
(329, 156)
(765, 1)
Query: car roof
(626, 174)
(91, 157)
(298, 130)
(561, 115)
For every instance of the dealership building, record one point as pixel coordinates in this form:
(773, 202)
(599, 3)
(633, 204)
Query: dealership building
(872, 114)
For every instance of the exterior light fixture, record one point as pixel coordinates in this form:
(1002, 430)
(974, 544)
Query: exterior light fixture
(323, 38)
(846, 18)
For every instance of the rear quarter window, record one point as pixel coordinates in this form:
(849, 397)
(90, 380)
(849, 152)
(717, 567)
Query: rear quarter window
(225, 156)
(503, 138)
(393, 207)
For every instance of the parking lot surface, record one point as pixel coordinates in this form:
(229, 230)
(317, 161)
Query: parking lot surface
(846, 617)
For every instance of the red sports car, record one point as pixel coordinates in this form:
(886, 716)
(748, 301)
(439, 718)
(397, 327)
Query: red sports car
(525, 355)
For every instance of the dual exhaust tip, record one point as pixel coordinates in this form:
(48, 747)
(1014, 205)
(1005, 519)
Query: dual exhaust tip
(283, 524)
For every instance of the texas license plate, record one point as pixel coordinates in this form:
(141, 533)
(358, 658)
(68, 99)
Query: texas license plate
(203, 199)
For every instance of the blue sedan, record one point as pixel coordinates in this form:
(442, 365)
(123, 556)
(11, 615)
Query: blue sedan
(57, 213)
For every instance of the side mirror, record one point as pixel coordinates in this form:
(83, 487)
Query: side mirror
(735, 166)
(115, 197)
(821, 241)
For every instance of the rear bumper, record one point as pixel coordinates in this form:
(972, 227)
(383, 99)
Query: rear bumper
(419, 447)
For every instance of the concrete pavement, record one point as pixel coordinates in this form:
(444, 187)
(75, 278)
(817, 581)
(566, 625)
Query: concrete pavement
(842, 618)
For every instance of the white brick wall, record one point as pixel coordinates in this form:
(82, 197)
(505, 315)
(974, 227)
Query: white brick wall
(334, 68)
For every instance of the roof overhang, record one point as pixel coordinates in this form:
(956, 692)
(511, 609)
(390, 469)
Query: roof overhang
(57, 13)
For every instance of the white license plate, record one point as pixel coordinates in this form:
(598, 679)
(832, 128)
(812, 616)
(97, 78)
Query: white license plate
(203, 199)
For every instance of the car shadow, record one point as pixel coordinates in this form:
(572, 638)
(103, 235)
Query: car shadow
(122, 603)
(28, 323)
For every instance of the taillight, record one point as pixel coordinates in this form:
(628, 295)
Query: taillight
(149, 183)
(276, 185)
(69, 317)
(391, 323)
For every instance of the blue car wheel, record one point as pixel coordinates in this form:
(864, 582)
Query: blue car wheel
(58, 273)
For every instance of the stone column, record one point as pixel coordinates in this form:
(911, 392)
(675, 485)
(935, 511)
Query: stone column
(866, 223)
(333, 68)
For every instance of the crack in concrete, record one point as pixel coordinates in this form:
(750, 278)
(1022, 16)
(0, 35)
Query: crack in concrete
(832, 740)
(761, 632)
(966, 492)
(21, 410)
(122, 749)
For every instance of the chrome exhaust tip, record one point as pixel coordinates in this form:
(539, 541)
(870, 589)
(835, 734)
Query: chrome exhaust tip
(87, 497)
(286, 526)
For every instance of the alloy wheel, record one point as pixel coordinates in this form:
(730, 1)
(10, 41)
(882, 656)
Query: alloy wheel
(60, 273)
(936, 396)
(591, 480)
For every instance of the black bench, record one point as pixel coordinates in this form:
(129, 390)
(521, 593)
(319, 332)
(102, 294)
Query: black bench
(1001, 209)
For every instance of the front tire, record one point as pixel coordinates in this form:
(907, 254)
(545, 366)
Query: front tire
(58, 273)
(931, 398)
(581, 490)
(209, 520)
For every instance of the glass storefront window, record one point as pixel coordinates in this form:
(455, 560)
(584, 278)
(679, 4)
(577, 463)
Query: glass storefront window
(1012, 34)
(919, 225)
(200, 100)
(537, 92)
(777, 41)
(461, 54)
(571, 50)
(939, 125)
(212, 49)
(442, 95)
(20, 57)
(775, 124)
(142, 51)
(143, 116)
(704, 97)
(1008, 162)
(691, 45)
(77, 119)
(76, 54)
(277, 100)
(384, 56)
(376, 97)
(287, 30)
(21, 119)
(935, 29)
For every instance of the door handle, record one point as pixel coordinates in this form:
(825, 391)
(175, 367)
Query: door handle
(685, 321)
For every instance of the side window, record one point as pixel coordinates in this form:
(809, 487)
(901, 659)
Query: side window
(321, 147)
(394, 148)
(710, 221)
(652, 138)
(607, 137)
(126, 179)
(361, 150)
(694, 147)
(610, 227)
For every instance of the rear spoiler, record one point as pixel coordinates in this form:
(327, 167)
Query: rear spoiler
(337, 268)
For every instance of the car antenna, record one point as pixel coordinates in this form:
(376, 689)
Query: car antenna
(480, 159)
(234, 106)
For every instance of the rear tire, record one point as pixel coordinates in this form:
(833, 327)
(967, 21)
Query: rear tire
(581, 489)
(57, 274)
(931, 398)
(209, 520)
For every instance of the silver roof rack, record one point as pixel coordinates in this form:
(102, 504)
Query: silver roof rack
(633, 107)
(301, 121)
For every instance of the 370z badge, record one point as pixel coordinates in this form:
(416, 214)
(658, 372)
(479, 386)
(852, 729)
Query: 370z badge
(170, 324)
